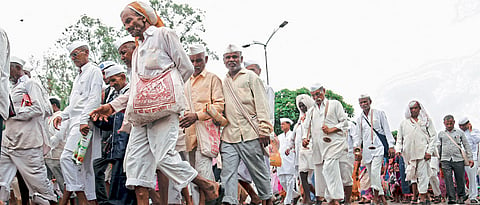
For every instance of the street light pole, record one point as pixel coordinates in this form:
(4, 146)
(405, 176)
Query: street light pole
(284, 23)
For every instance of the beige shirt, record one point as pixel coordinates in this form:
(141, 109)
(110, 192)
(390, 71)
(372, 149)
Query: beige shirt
(205, 88)
(251, 94)
(26, 129)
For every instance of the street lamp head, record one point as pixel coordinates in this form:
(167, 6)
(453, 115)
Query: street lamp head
(246, 45)
(283, 24)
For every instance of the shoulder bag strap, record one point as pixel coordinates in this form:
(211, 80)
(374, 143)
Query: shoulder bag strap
(239, 105)
(455, 143)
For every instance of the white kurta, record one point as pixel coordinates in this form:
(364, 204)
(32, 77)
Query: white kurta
(364, 131)
(84, 98)
(414, 139)
(4, 74)
(473, 139)
(335, 118)
(288, 161)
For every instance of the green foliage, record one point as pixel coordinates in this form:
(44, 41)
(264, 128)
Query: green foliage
(185, 20)
(285, 105)
(59, 71)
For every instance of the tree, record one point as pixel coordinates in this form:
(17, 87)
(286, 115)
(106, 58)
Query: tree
(185, 20)
(285, 105)
(59, 71)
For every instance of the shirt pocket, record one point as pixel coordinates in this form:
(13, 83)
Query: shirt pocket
(155, 59)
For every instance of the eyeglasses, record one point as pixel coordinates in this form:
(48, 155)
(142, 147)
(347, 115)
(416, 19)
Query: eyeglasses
(74, 55)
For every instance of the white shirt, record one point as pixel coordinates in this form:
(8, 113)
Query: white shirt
(473, 139)
(85, 97)
(335, 118)
(288, 161)
(4, 74)
(27, 129)
(364, 131)
(352, 133)
(86, 93)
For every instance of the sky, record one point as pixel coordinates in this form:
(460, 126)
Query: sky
(395, 51)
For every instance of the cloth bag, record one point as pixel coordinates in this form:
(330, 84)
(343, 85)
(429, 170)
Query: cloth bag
(155, 97)
(275, 158)
(208, 137)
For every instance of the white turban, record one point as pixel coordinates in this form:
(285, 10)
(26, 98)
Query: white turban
(114, 70)
(232, 48)
(144, 9)
(18, 60)
(122, 41)
(286, 120)
(306, 100)
(423, 115)
(196, 49)
(75, 45)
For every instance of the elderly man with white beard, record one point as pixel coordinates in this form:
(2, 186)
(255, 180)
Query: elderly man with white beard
(330, 149)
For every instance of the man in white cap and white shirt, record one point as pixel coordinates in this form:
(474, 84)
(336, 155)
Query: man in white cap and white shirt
(4, 76)
(85, 96)
(125, 47)
(473, 136)
(152, 144)
(249, 128)
(201, 88)
(286, 172)
(378, 142)
(25, 137)
(328, 126)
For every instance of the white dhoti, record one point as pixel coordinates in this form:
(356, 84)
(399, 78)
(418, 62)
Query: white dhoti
(374, 170)
(337, 174)
(320, 184)
(288, 183)
(418, 171)
(434, 181)
(78, 177)
(152, 147)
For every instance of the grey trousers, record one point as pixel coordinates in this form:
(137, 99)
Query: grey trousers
(251, 154)
(459, 172)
